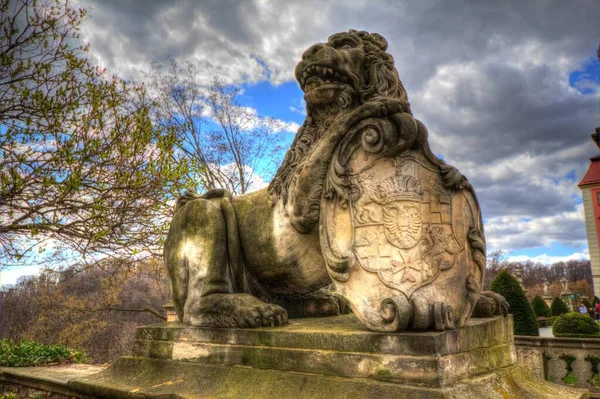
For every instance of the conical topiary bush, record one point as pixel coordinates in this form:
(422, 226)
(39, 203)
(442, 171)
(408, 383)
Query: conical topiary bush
(559, 307)
(540, 307)
(524, 317)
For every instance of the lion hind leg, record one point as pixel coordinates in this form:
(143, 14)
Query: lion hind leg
(196, 256)
(206, 272)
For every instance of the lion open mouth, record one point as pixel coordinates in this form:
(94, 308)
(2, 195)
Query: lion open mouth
(316, 76)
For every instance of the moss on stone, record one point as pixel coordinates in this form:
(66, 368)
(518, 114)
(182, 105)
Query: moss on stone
(383, 374)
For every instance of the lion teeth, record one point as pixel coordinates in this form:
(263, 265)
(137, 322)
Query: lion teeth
(323, 75)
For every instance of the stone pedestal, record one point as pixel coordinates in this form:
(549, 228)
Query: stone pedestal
(334, 357)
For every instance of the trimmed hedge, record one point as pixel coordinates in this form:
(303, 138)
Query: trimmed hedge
(540, 307)
(559, 307)
(575, 324)
(525, 321)
(27, 353)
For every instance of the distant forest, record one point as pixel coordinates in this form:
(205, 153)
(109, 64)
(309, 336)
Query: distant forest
(577, 272)
(94, 309)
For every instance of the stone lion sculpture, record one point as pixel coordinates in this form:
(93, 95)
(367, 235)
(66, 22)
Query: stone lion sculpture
(360, 213)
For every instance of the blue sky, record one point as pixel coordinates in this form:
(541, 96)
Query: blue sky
(508, 90)
(587, 78)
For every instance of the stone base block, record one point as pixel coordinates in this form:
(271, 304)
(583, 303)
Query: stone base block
(334, 357)
(341, 346)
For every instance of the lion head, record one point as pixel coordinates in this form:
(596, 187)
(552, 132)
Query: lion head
(351, 69)
(351, 66)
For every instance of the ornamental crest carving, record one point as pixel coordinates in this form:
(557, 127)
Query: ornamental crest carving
(395, 235)
(400, 231)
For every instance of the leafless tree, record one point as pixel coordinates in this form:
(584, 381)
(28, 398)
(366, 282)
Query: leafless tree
(225, 144)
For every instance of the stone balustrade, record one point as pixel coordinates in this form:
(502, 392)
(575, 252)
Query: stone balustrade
(566, 361)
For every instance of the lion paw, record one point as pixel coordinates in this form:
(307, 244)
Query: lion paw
(237, 310)
(315, 304)
(490, 304)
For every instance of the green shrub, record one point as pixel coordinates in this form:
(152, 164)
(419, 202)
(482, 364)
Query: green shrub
(559, 307)
(540, 307)
(595, 301)
(571, 324)
(27, 353)
(525, 320)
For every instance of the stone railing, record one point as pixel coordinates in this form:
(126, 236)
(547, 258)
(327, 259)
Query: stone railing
(566, 361)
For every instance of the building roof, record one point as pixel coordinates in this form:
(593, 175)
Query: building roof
(593, 173)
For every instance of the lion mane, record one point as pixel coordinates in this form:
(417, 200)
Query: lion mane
(379, 80)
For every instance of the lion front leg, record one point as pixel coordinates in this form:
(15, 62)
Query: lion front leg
(204, 288)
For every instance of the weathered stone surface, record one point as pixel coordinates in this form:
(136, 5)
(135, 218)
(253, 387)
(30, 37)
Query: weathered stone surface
(334, 357)
(45, 382)
(360, 200)
(344, 333)
(153, 378)
(341, 346)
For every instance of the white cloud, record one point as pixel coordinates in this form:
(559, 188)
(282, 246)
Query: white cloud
(548, 259)
(290, 127)
(301, 111)
(251, 120)
(515, 232)
(10, 276)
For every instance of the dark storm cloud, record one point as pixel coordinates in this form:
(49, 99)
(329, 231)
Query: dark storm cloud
(489, 79)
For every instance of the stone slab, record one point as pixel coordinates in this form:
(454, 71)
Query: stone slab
(344, 333)
(133, 377)
(46, 380)
(341, 346)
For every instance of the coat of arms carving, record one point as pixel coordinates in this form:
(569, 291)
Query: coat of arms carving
(403, 226)
(396, 238)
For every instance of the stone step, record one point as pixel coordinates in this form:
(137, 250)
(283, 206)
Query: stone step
(341, 346)
(153, 378)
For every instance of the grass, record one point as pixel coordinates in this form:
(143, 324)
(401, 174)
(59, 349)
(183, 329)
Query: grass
(28, 353)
